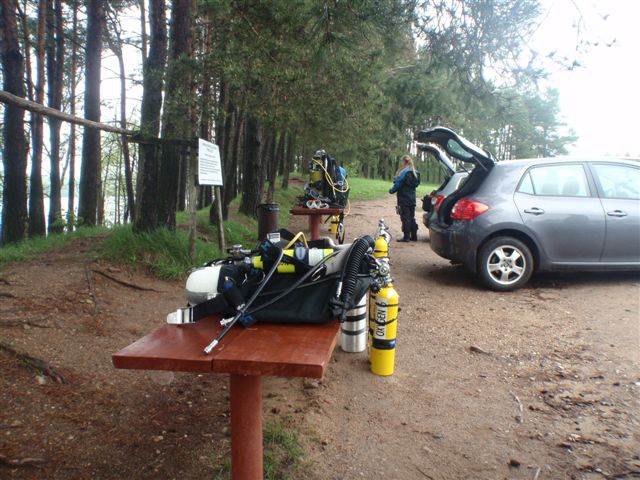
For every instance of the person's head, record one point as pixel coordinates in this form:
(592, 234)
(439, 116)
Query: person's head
(406, 161)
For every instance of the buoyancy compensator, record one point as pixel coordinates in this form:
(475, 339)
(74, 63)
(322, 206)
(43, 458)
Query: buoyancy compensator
(280, 282)
(327, 185)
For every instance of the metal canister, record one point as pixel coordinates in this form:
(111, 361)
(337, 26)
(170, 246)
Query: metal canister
(353, 331)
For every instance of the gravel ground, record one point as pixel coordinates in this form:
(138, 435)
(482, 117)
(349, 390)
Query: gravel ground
(540, 383)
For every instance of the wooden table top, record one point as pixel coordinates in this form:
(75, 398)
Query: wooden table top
(315, 211)
(265, 349)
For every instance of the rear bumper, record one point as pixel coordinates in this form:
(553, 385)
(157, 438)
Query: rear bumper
(454, 243)
(425, 219)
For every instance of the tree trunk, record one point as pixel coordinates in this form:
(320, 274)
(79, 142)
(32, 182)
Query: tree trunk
(266, 160)
(116, 47)
(143, 31)
(205, 117)
(71, 186)
(146, 217)
(288, 162)
(91, 156)
(230, 120)
(251, 188)
(26, 37)
(14, 158)
(236, 155)
(277, 151)
(36, 193)
(55, 72)
(176, 109)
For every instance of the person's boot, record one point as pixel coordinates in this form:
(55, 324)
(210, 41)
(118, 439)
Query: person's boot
(405, 237)
(414, 235)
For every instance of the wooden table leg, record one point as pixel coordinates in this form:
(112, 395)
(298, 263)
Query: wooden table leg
(314, 226)
(246, 427)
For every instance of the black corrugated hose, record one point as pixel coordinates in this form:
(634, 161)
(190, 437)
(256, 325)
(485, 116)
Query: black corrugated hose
(344, 300)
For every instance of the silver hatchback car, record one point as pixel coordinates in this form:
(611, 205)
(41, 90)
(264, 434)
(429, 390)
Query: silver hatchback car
(512, 218)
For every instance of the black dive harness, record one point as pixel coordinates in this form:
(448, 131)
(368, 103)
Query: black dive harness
(310, 296)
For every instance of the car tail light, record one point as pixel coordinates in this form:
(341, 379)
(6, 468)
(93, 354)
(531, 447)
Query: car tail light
(437, 200)
(468, 209)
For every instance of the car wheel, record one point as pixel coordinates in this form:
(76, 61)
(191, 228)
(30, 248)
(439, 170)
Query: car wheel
(505, 264)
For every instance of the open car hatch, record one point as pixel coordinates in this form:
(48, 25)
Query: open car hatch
(440, 155)
(455, 146)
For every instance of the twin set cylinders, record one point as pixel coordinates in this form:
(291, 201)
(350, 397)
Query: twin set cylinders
(382, 320)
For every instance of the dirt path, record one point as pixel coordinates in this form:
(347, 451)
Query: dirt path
(552, 381)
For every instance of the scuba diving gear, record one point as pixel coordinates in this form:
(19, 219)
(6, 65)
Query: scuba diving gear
(345, 293)
(278, 282)
(267, 247)
(327, 186)
(287, 281)
(383, 323)
(383, 239)
(353, 331)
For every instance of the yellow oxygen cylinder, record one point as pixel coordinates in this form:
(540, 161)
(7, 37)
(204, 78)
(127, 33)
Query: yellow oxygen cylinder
(335, 220)
(308, 256)
(383, 324)
(381, 249)
(315, 175)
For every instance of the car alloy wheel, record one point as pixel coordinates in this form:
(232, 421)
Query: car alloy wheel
(505, 263)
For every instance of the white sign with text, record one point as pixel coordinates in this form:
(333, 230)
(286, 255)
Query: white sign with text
(209, 164)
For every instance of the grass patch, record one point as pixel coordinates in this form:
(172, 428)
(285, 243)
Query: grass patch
(28, 249)
(282, 455)
(165, 253)
(282, 452)
(368, 189)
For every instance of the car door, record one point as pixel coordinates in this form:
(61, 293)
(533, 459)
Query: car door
(557, 205)
(619, 188)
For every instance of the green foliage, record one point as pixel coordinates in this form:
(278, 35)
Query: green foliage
(32, 247)
(357, 78)
(367, 189)
(282, 455)
(164, 252)
(282, 452)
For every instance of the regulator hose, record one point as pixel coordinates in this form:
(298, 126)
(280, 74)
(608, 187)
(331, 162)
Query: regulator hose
(346, 288)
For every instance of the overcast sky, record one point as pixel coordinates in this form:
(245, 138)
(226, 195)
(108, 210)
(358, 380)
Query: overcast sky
(601, 99)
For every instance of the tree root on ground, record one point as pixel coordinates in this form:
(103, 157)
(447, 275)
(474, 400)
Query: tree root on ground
(19, 322)
(20, 462)
(126, 284)
(39, 366)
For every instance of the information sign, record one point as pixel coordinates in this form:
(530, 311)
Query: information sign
(209, 164)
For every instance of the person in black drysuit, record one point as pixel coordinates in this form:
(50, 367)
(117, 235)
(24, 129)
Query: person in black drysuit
(405, 184)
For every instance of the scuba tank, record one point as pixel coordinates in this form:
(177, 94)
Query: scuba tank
(315, 170)
(335, 220)
(302, 257)
(383, 239)
(353, 331)
(383, 324)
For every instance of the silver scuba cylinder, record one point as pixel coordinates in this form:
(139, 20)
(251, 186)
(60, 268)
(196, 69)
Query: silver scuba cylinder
(202, 284)
(353, 331)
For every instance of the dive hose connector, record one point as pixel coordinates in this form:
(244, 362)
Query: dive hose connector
(181, 316)
(211, 346)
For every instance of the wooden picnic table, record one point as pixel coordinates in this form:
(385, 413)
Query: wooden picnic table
(246, 355)
(315, 217)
